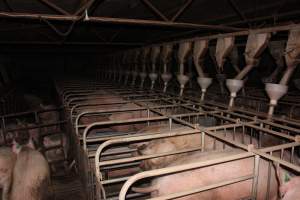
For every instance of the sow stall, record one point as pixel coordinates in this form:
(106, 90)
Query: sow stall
(115, 155)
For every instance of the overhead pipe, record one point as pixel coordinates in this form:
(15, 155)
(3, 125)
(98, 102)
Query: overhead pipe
(220, 76)
(143, 73)
(256, 44)
(234, 58)
(199, 52)
(135, 68)
(153, 74)
(292, 59)
(224, 47)
(165, 56)
(184, 49)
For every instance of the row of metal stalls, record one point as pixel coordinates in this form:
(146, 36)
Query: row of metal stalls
(107, 163)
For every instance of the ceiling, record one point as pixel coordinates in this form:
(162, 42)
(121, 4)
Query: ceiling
(106, 26)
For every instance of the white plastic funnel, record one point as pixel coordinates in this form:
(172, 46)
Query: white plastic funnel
(204, 84)
(182, 79)
(275, 92)
(166, 77)
(233, 85)
(153, 77)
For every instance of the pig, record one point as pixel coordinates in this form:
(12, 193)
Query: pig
(31, 174)
(192, 179)
(49, 141)
(176, 143)
(7, 162)
(49, 117)
(291, 189)
(105, 98)
(164, 145)
(128, 115)
(9, 135)
(55, 154)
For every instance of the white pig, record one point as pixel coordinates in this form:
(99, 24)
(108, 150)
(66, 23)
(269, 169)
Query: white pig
(7, 162)
(31, 174)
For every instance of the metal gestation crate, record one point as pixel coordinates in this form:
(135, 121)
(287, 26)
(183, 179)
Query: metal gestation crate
(10, 124)
(100, 156)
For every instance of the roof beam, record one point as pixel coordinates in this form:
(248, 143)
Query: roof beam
(72, 43)
(182, 9)
(238, 12)
(54, 7)
(118, 21)
(155, 10)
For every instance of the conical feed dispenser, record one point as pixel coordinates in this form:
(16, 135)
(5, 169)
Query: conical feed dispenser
(204, 84)
(275, 92)
(234, 86)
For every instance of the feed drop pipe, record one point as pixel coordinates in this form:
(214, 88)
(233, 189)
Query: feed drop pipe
(234, 58)
(292, 59)
(130, 57)
(256, 44)
(199, 52)
(125, 70)
(143, 73)
(165, 56)
(277, 51)
(154, 55)
(184, 49)
(224, 48)
(135, 69)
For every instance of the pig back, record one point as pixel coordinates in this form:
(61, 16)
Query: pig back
(205, 176)
(31, 176)
(7, 162)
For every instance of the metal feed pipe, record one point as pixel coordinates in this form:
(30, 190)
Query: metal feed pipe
(184, 49)
(135, 69)
(292, 59)
(165, 57)
(277, 51)
(154, 55)
(143, 73)
(256, 44)
(199, 52)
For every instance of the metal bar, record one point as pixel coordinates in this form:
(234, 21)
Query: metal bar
(202, 189)
(238, 12)
(85, 7)
(55, 7)
(181, 10)
(155, 10)
(72, 43)
(8, 5)
(118, 21)
(179, 168)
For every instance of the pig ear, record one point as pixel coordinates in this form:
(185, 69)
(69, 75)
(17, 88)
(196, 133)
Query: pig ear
(30, 143)
(140, 145)
(284, 175)
(16, 148)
